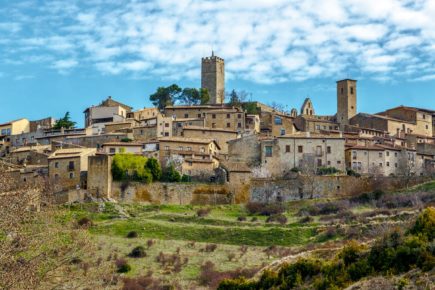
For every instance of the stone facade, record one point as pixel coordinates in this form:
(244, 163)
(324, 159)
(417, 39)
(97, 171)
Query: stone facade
(346, 100)
(221, 136)
(213, 78)
(280, 155)
(100, 175)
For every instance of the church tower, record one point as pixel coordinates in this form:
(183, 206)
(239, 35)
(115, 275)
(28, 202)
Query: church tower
(346, 101)
(213, 78)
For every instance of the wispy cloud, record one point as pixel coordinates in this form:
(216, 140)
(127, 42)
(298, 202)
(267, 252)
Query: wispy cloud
(265, 41)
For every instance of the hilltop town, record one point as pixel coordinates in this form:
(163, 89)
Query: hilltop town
(219, 141)
(207, 190)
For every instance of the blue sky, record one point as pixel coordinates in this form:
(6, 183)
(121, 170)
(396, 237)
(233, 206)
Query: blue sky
(58, 56)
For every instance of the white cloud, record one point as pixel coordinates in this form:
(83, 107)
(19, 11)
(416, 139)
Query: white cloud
(265, 41)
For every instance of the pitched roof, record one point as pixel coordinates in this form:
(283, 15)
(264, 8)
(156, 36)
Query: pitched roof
(71, 153)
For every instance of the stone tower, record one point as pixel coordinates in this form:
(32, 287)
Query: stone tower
(346, 101)
(213, 78)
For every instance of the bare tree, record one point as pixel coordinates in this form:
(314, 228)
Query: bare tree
(308, 169)
(406, 167)
(36, 249)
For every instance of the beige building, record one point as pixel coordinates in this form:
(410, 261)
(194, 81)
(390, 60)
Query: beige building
(198, 156)
(380, 159)
(229, 119)
(145, 113)
(280, 155)
(122, 147)
(9, 129)
(68, 168)
(107, 111)
(221, 136)
(30, 155)
(393, 126)
(276, 124)
(421, 118)
(213, 78)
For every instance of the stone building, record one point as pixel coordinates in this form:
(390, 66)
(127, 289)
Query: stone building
(221, 136)
(99, 178)
(142, 114)
(213, 78)
(122, 147)
(199, 157)
(9, 129)
(107, 111)
(308, 108)
(30, 155)
(423, 119)
(380, 159)
(281, 154)
(229, 119)
(346, 100)
(393, 126)
(68, 168)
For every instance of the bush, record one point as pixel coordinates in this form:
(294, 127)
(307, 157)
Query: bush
(122, 266)
(202, 212)
(131, 167)
(171, 174)
(132, 235)
(241, 218)
(84, 222)
(266, 209)
(210, 248)
(425, 224)
(186, 178)
(351, 172)
(280, 218)
(327, 171)
(138, 252)
(154, 167)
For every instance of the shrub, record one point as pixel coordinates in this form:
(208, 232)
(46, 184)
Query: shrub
(351, 172)
(280, 218)
(202, 212)
(186, 178)
(122, 266)
(138, 252)
(210, 248)
(265, 209)
(154, 167)
(254, 219)
(241, 218)
(327, 171)
(231, 256)
(132, 235)
(171, 174)
(131, 167)
(425, 224)
(84, 222)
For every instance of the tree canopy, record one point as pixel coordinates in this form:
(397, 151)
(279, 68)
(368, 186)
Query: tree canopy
(65, 122)
(168, 96)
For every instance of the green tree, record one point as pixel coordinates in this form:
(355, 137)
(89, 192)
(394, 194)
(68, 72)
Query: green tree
(238, 98)
(171, 174)
(154, 166)
(165, 96)
(193, 96)
(64, 122)
(131, 167)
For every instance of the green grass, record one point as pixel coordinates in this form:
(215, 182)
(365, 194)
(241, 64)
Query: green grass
(428, 186)
(258, 236)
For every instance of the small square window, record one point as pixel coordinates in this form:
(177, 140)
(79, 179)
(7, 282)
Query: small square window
(287, 148)
(300, 149)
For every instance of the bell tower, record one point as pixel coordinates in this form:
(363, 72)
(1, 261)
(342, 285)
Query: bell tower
(346, 101)
(213, 78)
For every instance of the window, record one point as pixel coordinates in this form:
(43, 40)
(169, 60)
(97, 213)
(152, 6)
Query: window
(287, 148)
(228, 116)
(300, 149)
(395, 165)
(199, 115)
(239, 116)
(380, 154)
(342, 91)
(56, 164)
(278, 121)
(317, 127)
(112, 150)
(166, 147)
(268, 150)
(424, 116)
(71, 165)
(319, 162)
(213, 116)
(328, 149)
(351, 90)
(71, 175)
(167, 125)
(388, 164)
(180, 148)
(186, 115)
(338, 161)
(166, 133)
(282, 132)
(189, 148)
(380, 164)
(228, 125)
(387, 153)
(329, 162)
(239, 125)
(395, 154)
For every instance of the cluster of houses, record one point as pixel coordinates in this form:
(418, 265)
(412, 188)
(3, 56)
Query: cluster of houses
(244, 140)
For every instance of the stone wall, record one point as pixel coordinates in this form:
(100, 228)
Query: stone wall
(172, 193)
